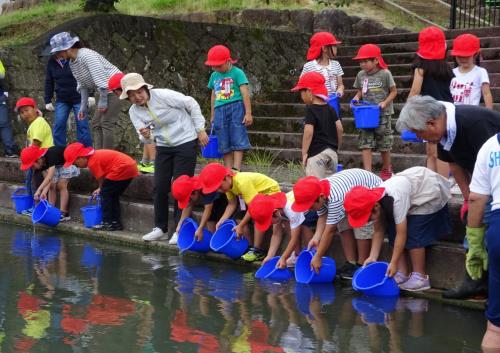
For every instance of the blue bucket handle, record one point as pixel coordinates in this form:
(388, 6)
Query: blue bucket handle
(212, 130)
(19, 189)
(97, 200)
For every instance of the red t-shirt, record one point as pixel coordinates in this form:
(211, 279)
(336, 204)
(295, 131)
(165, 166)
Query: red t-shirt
(112, 165)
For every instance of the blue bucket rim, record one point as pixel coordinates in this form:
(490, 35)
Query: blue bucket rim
(184, 224)
(275, 259)
(354, 281)
(44, 203)
(225, 223)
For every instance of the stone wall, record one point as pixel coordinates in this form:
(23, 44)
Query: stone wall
(170, 54)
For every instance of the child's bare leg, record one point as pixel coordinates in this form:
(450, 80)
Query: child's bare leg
(149, 153)
(307, 234)
(386, 159)
(62, 187)
(367, 159)
(364, 246)
(275, 241)
(228, 160)
(258, 239)
(52, 193)
(403, 263)
(417, 258)
(348, 245)
(237, 159)
(211, 226)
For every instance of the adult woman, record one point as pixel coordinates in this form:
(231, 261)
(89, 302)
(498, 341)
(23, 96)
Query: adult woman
(411, 208)
(175, 123)
(92, 72)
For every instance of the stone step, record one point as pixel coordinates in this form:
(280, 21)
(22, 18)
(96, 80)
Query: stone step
(413, 37)
(350, 142)
(405, 47)
(297, 109)
(407, 58)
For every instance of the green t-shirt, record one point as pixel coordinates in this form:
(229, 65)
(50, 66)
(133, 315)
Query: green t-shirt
(227, 85)
(375, 87)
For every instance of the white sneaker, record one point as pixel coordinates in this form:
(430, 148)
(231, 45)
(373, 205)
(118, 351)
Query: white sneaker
(155, 234)
(173, 239)
(292, 260)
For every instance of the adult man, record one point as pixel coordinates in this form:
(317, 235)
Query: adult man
(459, 131)
(484, 186)
(10, 147)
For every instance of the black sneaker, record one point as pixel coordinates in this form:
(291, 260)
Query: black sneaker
(469, 288)
(65, 217)
(109, 227)
(347, 271)
(11, 155)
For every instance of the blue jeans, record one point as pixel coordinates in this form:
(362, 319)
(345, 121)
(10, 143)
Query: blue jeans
(83, 134)
(6, 127)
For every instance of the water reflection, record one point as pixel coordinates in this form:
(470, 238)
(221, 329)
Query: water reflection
(58, 294)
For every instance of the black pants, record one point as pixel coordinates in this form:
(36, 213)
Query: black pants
(170, 163)
(110, 197)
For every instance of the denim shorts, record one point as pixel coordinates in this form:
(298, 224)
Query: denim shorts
(228, 126)
(65, 173)
(423, 230)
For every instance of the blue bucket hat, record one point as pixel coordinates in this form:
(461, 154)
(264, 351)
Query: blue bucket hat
(62, 41)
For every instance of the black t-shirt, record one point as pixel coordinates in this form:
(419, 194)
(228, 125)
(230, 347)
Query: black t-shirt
(54, 157)
(323, 118)
(475, 125)
(437, 89)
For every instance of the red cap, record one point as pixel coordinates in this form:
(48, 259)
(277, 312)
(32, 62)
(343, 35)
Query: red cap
(212, 175)
(218, 55)
(306, 192)
(262, 208)
(30, 155)
(313, 81)
(75, 150)
(359, 202)
(431, 44)
(25, 101)
(183, 187)
(465, 45)
(370, 51)
(114, 81)
(318, 41)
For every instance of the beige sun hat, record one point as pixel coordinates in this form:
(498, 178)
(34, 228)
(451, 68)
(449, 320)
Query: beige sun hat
(132, 82)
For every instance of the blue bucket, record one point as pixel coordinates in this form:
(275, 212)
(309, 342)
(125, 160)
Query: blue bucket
(187, 240)
(305, 293)
(45, 213)
(270, 271)
(304, 274)
(45, 248)
(374, 309)
(22, 202)
(224, 241)
(227, 286)
(333, 101)
(409, 136)
(21, 245)
(91, 258)
(211, 150)
(92, 213)
(366, 116)
(371, 280)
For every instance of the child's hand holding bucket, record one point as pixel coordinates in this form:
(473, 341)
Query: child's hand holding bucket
(239, 231)
(316, 263)
(369, 260)
(199, 234)
(96, 192)
(313, 243)
(392, 269)
(281, 263)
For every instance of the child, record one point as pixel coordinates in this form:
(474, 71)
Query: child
(113, 170)
(187, 191)
(320, 56)
(376, 85)
(231, 111)
(470, 80)
(39, 132)
(322, 130)
(412, 209)
(277, 209)
(432, 77)
(326, 197)
(147, 164)
(215, 177)
(50, 162)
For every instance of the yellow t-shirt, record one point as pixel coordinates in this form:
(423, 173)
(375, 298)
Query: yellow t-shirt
(250, 184)
(40, 130)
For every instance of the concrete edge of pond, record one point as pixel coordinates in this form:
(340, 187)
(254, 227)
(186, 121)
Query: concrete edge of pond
(134, 239)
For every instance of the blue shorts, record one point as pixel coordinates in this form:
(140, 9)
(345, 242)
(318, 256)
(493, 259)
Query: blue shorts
(423, 230)
(493, 241)
(311, 218)
(228, 126)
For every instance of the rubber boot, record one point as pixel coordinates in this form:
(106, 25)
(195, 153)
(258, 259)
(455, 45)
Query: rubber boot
(469, 288)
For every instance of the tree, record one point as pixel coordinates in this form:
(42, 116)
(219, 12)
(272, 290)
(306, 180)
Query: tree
(99, 5)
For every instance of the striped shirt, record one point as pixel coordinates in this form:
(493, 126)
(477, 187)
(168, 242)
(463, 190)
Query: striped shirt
(91, 70)
(330, 73)
(340, 184)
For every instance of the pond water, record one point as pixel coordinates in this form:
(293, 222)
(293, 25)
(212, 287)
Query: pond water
(64, 294)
